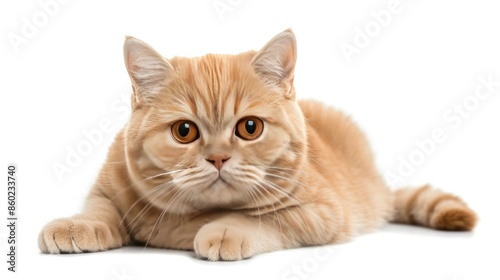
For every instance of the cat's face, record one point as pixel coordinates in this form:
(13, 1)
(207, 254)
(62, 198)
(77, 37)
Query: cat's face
(224, 130)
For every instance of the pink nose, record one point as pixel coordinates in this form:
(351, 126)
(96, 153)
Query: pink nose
(218, 160)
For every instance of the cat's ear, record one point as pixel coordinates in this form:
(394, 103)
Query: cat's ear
(275, 62)
(147, 69)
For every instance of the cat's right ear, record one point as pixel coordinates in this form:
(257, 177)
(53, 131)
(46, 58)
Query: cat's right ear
(275, 62)
(148, 70)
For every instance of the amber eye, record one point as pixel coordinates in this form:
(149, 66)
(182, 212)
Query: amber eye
(249, 128)
(185, 131)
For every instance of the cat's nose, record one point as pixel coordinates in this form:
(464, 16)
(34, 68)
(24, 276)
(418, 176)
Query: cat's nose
(218, 160)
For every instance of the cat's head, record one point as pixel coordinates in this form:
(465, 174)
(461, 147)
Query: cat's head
(217, 131)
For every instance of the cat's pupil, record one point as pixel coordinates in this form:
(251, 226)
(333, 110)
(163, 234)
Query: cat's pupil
(184, 129)
(250, 127)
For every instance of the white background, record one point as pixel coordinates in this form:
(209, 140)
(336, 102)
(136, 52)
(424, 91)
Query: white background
(69, 76)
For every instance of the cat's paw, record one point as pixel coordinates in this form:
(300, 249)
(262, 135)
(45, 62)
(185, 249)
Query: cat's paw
(219, 242)
(76, 236)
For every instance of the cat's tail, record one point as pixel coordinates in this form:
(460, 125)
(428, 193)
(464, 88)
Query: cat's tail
(432, 208)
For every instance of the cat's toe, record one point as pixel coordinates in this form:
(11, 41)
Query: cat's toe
(221, 243)
(75, 236)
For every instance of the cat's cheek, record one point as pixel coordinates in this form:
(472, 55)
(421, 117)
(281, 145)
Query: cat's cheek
(163, 150)
(273, 145)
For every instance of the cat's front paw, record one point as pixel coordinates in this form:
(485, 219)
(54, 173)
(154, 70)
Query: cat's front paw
(76, 236)
(219, 242)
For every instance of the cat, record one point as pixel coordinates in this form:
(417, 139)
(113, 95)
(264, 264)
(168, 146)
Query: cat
(219, 157)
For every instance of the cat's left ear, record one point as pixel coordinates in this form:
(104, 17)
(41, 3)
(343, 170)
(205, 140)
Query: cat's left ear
(148, 70)
(275, 62)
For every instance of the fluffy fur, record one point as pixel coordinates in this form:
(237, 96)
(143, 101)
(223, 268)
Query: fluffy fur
(309, 179)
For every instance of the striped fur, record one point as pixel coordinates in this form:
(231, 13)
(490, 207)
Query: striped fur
(433, 208)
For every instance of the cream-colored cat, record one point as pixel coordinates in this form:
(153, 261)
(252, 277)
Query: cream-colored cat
(218, 157)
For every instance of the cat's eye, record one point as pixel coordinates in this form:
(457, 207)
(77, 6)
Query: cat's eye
(184, 131)
(249, 128)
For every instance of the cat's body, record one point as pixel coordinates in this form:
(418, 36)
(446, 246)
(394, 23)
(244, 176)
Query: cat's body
(219, 158)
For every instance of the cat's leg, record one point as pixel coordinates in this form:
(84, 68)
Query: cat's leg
(96, 229)
(234, 237)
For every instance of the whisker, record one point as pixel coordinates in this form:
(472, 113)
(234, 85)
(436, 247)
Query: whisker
(284, 192)
(297, 183)
(137, 201)
(160, 217)
(291, 215)
(283, 169)
(252, 195)
(271, 204)
(148, 178)
(148, 206)
(301, 211)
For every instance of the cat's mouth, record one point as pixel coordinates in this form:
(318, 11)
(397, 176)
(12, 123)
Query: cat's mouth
(219, 182)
